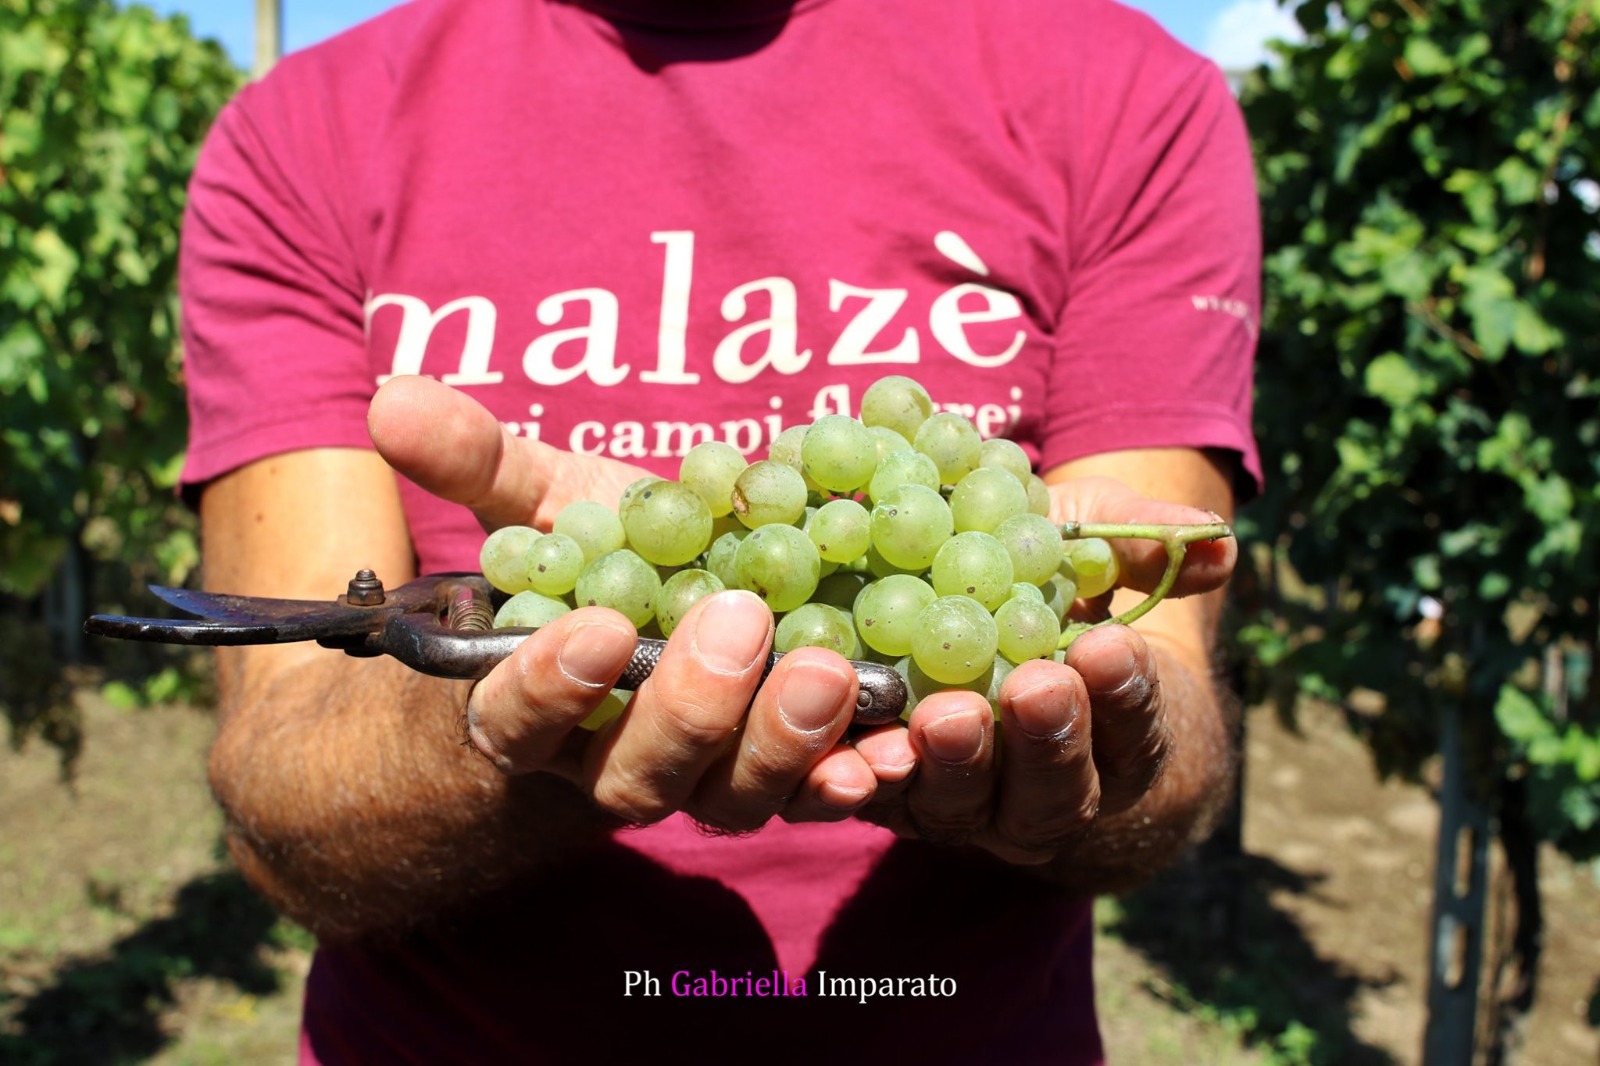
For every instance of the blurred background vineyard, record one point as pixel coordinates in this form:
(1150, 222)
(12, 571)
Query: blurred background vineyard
(1422, 570)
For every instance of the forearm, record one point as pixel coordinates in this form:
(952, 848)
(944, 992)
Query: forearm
(1120, 851)
(353, 805)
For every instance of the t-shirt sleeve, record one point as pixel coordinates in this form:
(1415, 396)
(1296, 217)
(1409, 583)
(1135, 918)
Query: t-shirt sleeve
(1157, 339)
(273, 331)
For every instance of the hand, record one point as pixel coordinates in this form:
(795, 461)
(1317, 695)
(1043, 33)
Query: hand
(1076, 743)
(703, 735)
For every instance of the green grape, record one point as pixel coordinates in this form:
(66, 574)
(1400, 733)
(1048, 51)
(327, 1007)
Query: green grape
(530, 610)
(769, 492)
(985, 498)
(1026, 590)
(622, 581)
(888, 441)
(879, 567)
(503, 559)
(710, 469)
(634, 489)
(1093, 563)
(897, 403)
(1034, 543)
(595, 527)
(667, 523)
(1008, 456)
(955, 640)
(1038, 496)
(838, 453)
(719, 557)
(886, 612)
(973, 564)
(818, 625)
(554, 562)
(902, 468)
(780, 564)
(612, 706)
(682, 591)
(841, 530)
(909, 526)
(919, 686)
(786, 449)
(1027, 630)
(841, 589)
(728, 523)
(952, 443)
(1060, 593)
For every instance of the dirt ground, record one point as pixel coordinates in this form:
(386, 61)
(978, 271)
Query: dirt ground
(1327, 925)
(124, 935)
(1355, 868)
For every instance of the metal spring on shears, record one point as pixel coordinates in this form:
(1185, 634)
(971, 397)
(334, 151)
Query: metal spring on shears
(470, 612)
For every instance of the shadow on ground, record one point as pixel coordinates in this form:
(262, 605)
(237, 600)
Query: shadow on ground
(1210, 926)
(109, 1007)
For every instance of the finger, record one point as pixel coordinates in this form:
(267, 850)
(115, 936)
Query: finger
(798, 716)
(452, 446)
(522, 712)
(1049, 789)
(649, 761)
(1206, 564)
(838, 786)
(1130, 732)
(892, 759)
(952, 794)
(890, 755)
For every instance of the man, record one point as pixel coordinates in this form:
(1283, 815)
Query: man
(610, 229)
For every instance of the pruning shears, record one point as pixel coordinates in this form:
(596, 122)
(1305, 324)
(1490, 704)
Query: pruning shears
(438, 624)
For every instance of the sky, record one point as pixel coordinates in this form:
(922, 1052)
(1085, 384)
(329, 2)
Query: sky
(1229, 31)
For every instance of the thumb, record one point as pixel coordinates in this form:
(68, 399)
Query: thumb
(452, 446)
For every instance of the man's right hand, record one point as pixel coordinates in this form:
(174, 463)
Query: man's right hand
(704, 735)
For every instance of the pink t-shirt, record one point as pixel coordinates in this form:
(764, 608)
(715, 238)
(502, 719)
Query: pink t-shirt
(626, 228)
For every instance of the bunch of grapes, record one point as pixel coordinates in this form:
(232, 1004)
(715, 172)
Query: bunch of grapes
(902, 538)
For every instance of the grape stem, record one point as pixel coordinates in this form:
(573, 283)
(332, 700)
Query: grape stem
(1176, 541)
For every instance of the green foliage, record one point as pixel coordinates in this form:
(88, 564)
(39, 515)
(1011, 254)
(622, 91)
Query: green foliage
(1430, 386)
(101, 114)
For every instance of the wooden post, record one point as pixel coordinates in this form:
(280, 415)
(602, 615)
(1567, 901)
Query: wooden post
(269, 34)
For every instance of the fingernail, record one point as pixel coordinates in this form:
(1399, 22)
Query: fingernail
(955, 738)
(843, 797)
(1132, 683)
(1124, 661)
(891, 773)
(731, 634)
(1109, 660)
(810, 697)
(594, 652)
(1044, 711)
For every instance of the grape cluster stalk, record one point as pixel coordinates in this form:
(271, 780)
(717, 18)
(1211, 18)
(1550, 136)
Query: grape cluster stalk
(902, 537)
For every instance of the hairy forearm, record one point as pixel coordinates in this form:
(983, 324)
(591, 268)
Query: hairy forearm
(353, 805)
(1121, 851)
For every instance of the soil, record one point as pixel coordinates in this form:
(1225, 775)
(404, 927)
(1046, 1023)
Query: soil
(125, 936)
(1326, 920)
